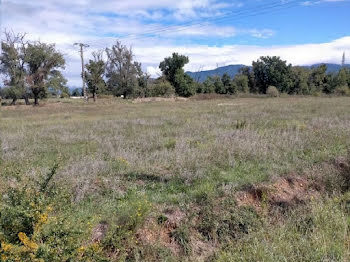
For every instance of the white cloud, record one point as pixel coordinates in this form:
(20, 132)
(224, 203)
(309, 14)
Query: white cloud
(65, 22)
(310, 3)
(208, 57)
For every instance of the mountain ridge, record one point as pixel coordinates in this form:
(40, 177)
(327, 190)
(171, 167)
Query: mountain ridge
(232, 70)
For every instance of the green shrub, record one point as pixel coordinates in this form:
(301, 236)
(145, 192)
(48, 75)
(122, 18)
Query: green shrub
(162, 88)
(342, 90)
(272, 91)
(131, 214)
(170, 144)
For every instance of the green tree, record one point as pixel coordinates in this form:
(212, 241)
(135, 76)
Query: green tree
(248, 72)
(142, 89)
(300, 78)
(184, 84)
(337, 81)
(172, 68)
(12, 66)
(42, 61)
(94, 74)
(219, 86)
(272, 71)
(121, 71)
(57, 84)
(208, 86)
(318, 79)
(241, 83)
(228, 84)
(161, 87)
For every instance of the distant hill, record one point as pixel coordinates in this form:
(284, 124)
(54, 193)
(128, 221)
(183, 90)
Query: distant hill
(331, 68)
(232, 70)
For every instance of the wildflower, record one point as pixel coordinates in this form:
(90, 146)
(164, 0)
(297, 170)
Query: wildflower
(26, 241)
(5, 247)
(42, 218)
(81, 249)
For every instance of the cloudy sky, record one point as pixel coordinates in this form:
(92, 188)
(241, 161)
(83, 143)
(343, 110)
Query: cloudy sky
(211, 32)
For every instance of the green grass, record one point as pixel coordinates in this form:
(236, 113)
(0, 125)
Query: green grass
(127, 164)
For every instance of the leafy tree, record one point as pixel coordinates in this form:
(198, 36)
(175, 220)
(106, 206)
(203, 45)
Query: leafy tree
(161, 87)
(172, 68)
(272, 71)
(142, 89)
(184, 84)
(229, 87)
(337, 81)
(12, 66)
(171, 65)
(121, 71)
(208, 86)
(57, 84)
(241, 83)
(248, 72)
(300, 78)
(219, 86)
(42, 61)
(94, 74)
(318, 79)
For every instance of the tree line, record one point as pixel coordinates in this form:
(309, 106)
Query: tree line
(32, 70)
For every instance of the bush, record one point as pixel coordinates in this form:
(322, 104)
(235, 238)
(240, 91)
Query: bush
(342, 90)
(163, 88)
(241, 83)
(32, 230)
(272, 91)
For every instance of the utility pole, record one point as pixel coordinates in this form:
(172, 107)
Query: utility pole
(343, 60)
(82, 68)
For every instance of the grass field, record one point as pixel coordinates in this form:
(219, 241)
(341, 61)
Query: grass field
(123, 181)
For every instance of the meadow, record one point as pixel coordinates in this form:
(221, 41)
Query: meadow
(229, 179)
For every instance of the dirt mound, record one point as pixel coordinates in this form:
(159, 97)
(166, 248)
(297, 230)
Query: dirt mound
(285, 192)
(154, 232)
(99, 232)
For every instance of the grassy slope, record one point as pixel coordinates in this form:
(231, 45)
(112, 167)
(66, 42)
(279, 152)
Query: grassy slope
(120, 161)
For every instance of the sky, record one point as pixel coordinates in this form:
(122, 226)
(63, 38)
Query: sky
(211, 33)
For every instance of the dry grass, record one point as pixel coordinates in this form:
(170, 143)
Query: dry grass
(171, 153)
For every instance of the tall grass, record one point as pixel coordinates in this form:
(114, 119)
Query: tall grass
(120, 166)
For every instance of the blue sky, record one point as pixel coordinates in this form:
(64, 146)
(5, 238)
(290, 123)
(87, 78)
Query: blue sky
(210, 32)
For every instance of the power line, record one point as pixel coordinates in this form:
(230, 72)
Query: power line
(261, 9)
(208, 20)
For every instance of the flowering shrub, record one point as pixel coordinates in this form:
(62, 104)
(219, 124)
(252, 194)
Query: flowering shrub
(31, 231)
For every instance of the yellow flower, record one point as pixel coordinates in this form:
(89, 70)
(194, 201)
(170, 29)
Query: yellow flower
(42, 218)
(81, 249)
(95, 247)
(5, 247)
(26, 241)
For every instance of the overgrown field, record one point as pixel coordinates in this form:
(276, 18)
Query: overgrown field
(234, 179)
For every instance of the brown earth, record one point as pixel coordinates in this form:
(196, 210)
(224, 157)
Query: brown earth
(284, 192)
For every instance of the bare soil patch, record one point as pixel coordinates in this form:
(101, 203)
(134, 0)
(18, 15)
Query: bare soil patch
(284, 192)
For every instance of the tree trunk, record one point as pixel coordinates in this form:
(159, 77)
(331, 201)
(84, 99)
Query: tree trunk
(26, 99)
(14, 100)
(36, 99)
(94, 96)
